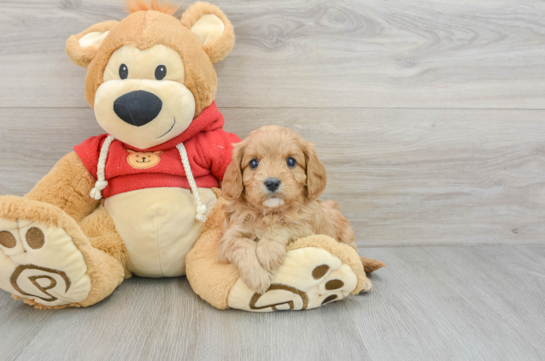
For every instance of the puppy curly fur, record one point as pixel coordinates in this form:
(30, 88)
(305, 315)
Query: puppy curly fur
(256, 235)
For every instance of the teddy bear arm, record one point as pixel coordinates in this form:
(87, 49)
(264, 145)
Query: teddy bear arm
(67, 186)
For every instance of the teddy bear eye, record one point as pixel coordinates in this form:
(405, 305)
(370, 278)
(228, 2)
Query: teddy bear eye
(123, 71)
(160, 72)
(254, 163)
(291, 162)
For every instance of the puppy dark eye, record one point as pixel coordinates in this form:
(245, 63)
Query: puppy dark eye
(254, 163)
(160, 72)
(123, 71)
(291, 162)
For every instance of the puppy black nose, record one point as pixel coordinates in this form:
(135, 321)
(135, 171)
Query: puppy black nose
(272, 184)
(138, 107)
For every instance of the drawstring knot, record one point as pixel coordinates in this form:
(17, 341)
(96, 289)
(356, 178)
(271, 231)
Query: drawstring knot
(201, 211)
(96, 192)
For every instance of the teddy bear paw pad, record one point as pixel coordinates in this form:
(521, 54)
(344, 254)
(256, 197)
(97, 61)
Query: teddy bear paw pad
(41, 263)
(310, 277)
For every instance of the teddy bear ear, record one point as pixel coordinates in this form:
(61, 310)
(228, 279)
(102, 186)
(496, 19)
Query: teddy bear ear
(83, 47)
(212, 28)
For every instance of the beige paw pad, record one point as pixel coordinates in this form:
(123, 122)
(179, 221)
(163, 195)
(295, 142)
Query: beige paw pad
(309, 278)
(41, 263)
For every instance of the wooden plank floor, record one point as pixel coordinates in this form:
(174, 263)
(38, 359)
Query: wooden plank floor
(429, 303)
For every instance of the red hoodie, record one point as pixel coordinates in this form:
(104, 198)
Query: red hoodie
(208, 146)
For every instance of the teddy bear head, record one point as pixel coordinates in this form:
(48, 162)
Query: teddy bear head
(150, 74)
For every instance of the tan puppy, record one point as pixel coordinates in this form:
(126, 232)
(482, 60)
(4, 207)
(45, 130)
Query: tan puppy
(273, 184)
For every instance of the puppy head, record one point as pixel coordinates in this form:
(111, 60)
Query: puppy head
(274, 167)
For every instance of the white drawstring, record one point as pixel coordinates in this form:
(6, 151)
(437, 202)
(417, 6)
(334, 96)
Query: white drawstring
(101, 183)
(201, 208)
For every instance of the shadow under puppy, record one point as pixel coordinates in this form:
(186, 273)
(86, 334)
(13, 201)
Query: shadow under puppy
(272, 186)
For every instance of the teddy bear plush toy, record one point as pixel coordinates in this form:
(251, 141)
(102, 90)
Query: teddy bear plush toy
(134, 200)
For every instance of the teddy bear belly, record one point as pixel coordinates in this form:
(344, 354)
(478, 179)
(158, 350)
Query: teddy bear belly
(158, 227)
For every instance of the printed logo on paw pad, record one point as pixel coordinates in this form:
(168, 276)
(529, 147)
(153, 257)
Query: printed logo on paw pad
(277, 291)
(274, 306)
(31, 278)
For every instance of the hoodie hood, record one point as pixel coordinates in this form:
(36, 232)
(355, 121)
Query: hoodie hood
(210, 119)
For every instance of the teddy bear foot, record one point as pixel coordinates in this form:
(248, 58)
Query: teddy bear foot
(310, 277)
(41, 264)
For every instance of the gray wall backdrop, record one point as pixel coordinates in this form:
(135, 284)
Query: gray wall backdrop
(429, 116)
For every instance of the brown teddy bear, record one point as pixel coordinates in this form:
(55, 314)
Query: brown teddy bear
(134, 201)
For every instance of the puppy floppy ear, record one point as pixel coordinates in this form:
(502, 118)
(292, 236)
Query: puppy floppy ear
(316, 173)
(232, 185)
(212, 28)
(83, 47)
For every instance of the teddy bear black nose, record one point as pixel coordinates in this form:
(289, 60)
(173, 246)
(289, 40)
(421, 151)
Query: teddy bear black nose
(272, 184)
(137, 107)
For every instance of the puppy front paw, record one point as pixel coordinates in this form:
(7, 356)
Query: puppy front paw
(257, 279)
(270, 255)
